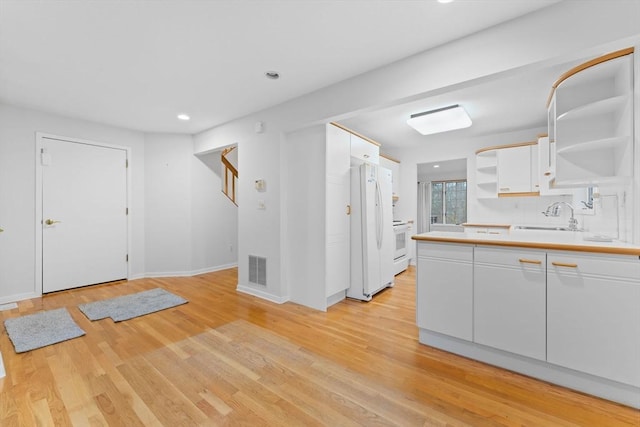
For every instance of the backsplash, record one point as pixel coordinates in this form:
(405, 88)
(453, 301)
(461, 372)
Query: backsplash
(611, 215)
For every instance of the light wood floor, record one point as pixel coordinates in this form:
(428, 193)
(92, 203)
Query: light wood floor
(226, 358)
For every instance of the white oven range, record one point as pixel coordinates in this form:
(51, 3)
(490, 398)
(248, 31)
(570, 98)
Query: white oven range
(401, 254)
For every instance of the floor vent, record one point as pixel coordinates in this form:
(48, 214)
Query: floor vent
(257, 270)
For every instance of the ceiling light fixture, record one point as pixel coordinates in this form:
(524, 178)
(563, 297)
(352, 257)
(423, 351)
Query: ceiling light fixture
(436, 166)
(273, 75)
(445, 1)
(184, 117)
(440, 120)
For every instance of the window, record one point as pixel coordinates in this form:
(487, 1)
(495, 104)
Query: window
(449, 202)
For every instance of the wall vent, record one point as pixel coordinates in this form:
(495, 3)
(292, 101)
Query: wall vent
(257, 270)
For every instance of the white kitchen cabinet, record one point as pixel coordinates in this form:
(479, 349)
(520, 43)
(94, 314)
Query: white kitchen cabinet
(394, 166)
(444, 295)
(364, 150)
(593, 309)
(338, 165)
(507, 171)
(486, 228)
(547, 169)
(514, 171)
(509, 300)
(487, 174)
(534, 168)
(591, 122)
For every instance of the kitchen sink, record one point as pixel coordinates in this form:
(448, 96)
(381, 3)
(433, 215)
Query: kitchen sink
(540, 227)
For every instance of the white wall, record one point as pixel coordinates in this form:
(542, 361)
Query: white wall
(259, 158)
(520, 210)
(541, 38)
(181, 223)
(190, 226)
(17, 189)
(214, 218)
(167, 198)
(305, 216)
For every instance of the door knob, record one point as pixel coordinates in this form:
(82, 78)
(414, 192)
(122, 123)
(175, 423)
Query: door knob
(51, 221)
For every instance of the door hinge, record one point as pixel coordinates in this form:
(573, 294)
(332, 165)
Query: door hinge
(126, 211)
(126, 163)
(127, 257)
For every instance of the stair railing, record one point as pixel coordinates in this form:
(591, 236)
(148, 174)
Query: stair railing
(230, 176)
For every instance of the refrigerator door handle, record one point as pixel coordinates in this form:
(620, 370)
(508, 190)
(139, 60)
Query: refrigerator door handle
(379, 214)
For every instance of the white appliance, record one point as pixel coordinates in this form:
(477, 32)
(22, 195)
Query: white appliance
(401, 255)
(372, 237)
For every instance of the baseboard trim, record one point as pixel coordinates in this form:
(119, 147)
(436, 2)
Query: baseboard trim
(261, 294)
(19, 297)
(191, 273)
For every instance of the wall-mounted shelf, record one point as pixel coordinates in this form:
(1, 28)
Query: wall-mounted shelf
(486, 174)
(604, 106)
(591, 122)
(599, 144)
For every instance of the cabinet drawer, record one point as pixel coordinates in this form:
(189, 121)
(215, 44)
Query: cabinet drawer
(615, 266)
(516, 258)
(486, 230)
(449, 251)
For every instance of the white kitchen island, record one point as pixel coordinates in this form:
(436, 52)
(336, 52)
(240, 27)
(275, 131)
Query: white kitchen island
(548, 304)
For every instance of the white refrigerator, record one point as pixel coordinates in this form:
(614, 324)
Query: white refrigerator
(372, 237)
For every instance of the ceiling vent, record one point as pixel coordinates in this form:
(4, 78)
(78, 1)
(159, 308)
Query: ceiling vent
(257, 270)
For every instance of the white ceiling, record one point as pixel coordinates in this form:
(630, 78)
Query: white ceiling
(137, 64)
(503, 104)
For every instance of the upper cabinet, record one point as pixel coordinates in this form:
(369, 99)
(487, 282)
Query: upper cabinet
(591, 123)
(364, 150)
(516, 175)
(394, 166)
(546, 169)
(507, 171)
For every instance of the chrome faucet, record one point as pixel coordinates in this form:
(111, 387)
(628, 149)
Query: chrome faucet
(554, 209)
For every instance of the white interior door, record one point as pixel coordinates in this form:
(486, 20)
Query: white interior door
(84, 214)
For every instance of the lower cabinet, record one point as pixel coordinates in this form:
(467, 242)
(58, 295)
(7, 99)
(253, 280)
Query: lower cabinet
(509, 299)
(571, 309)
(444, 295)
(593, 315)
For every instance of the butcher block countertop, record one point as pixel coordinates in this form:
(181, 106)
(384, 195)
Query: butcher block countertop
(547, 240)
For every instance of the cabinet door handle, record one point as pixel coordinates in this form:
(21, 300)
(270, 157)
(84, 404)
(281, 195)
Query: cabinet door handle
(505, 188)
(348, 209)
(547, 174)
(564, 264)
(494, 232)
(530, 261)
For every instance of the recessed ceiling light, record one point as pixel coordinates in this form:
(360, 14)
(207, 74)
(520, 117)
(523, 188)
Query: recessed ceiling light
(440, 120)
(273, 75)
(445, 1)
(184, 117)
(436, 166)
